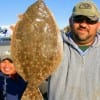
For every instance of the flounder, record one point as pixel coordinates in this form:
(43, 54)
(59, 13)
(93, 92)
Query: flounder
(36, 47)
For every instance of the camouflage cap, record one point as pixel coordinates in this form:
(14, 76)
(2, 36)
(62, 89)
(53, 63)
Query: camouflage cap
(86, 8)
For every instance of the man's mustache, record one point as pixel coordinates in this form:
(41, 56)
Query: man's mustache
(81, 27)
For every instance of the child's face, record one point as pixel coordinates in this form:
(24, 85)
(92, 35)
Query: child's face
(7, 67)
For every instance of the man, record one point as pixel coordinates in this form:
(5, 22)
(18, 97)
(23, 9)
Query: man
(78, 76)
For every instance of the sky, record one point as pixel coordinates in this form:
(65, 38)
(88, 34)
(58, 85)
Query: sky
(61, 9)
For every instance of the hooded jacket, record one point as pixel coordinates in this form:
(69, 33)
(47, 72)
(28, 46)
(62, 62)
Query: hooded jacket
(11, 88)
(78, 75)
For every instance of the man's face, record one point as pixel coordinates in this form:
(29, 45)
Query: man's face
(83, 29)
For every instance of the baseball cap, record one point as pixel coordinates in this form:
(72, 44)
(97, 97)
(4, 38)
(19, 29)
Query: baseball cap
(6, 57)
(86, 8)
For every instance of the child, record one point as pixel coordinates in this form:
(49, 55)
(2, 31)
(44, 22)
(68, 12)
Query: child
(12, 85)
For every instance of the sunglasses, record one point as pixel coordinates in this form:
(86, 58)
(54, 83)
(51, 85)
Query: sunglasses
(81, 19)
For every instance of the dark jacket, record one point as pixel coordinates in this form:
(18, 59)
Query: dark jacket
(11, 88)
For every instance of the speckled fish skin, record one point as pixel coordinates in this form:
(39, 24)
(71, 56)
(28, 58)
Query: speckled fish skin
(36, 47)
